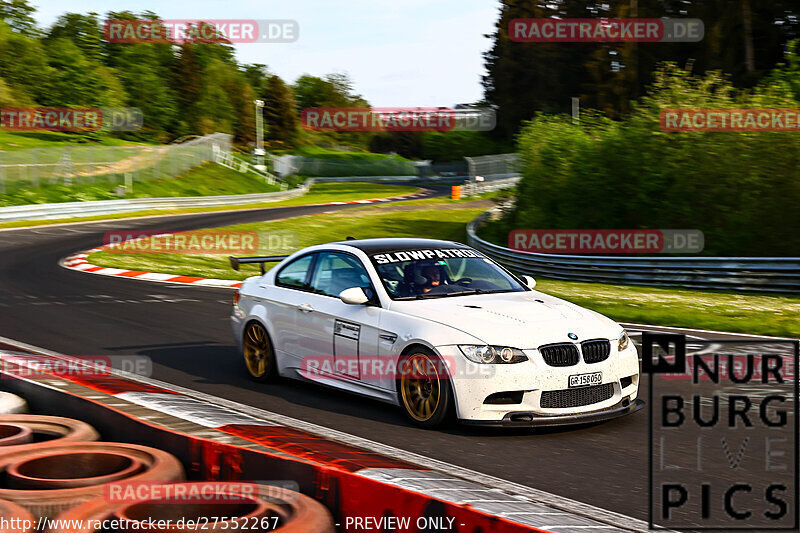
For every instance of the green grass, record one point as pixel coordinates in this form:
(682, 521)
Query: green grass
(445, 219)
(743, 313)
(327, 153)
(430, 220)
(320, 193)
(207, 180)
(37, 139)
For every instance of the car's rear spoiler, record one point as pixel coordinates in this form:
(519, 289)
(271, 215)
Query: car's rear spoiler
(262, 260)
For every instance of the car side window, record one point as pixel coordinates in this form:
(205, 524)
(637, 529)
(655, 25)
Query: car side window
(336, 272)
(295, 274)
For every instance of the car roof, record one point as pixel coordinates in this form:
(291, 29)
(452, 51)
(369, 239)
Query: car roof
(376, 246)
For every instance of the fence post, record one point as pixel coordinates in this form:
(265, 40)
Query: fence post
(470, 167)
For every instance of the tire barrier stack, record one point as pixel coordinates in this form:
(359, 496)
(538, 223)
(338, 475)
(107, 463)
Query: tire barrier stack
(12, 404)
(55, 468)
(19, 519)
(49, 480)
(215, 443)
(40, 431)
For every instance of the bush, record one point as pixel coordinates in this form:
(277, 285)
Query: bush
(741, 189)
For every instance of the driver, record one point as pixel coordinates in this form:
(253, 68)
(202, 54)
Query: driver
(433, 277)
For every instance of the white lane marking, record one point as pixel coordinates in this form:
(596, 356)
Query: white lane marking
(82, 266)
(538, 496)
(188, 409)
(213, 282)
(112, 271)
(155, 276)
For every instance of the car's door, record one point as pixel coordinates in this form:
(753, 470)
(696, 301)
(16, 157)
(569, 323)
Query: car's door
(336, 335)
(290, 292)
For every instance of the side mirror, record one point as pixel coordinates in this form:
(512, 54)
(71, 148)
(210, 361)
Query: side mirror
(354, 296)
(529, 281)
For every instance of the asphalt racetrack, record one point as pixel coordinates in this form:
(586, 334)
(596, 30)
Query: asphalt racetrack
(185, 331)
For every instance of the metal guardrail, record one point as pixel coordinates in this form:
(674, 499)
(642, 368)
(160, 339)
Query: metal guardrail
(110, 207)
(758, 274)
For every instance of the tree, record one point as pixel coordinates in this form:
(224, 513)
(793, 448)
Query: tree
(743, 38)
(280, 114)
(523, 78)
(144, 69)
(335, 90)
(83, 30)
(23, 63)
(242, 99)
(75, 80)
(19, 16)
(187, 82)
(7, 97)
(215, 110)
(257, 76)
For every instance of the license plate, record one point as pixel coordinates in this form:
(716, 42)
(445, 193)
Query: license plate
(585, 380)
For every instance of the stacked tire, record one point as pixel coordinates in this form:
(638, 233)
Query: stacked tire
(52, 479)
(55, 468)
(38, 431)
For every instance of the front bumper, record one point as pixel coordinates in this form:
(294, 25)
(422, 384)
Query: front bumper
(519, 419)
(525, 385)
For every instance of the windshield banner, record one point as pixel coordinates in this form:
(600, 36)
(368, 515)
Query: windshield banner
(419, 255)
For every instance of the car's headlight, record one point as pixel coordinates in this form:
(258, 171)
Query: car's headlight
(489, 355)
(624, 340)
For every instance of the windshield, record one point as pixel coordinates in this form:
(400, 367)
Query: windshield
(422, 274)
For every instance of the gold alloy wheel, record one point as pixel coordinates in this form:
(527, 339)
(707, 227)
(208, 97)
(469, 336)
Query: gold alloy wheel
(257, 350)
(420, 386)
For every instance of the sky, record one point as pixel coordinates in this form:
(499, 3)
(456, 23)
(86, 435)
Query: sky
(409, 53)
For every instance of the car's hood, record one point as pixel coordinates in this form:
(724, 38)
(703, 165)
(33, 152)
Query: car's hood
(518, 319)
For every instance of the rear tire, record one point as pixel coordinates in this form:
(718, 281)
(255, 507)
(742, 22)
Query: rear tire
(424, 389)
(259, 357)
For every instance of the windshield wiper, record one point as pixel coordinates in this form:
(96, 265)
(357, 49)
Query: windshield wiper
(458, 293)
(468, 292)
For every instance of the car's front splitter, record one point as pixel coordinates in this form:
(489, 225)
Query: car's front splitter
(520, 419)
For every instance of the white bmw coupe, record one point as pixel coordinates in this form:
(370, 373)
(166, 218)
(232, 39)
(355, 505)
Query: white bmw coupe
(437, 328)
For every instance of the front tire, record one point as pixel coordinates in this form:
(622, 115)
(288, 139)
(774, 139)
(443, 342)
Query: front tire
(259, 357)
(424, 388)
